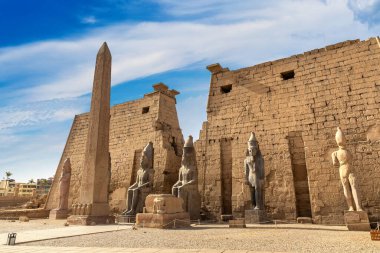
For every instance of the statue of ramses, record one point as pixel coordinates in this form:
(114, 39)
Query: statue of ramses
(342, 158)
(64, 185)
(144, 182)
(187, 185)
(254, 173)
(63, 189)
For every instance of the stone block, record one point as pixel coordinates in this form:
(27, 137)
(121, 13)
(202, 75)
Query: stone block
(255, 216)
(90, 220)
(170, 204)
(357, 220)
(237, 223)
(164, 220)
(14, 214)
(125, 219)
(58, 214)
(24, 218)
(304, 220)
(226, 217)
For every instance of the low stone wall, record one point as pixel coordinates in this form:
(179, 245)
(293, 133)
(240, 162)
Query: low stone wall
(9, 201)
(39, 213)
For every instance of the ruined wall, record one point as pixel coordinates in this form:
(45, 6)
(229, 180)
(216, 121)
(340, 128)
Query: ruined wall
(8, 201)
(294, 106)
(133, 124)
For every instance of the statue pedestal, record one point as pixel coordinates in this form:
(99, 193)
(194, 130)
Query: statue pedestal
(237, 223)
(90, 214)
(90, 220)
(357, 220)
(255, 216)
(126, 219)
(166, 220)
(56, 214)
(163, 211)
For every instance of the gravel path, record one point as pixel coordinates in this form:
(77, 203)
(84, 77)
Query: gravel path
(296, 238)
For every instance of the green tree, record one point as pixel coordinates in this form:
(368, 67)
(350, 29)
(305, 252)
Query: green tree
(31, 181)
(8, 174)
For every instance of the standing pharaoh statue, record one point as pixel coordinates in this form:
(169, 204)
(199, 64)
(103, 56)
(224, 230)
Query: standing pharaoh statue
(254, 173)
(144, 182)
(342, 158)
(187, 185)
(64, 186)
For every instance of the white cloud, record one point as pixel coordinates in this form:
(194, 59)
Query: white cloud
(143, 49)
(89, 20)
(366, 11)
(364, 4)
(42, 112)
(32, 155)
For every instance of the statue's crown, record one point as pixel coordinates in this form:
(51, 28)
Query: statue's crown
(189, 142)
(148, 150)
(67, 165)
(339, 137)
(252, 138)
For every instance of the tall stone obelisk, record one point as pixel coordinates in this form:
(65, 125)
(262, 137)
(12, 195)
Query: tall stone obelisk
(93, 204)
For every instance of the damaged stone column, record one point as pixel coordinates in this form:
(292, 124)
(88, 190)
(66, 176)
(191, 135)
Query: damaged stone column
(93, 207)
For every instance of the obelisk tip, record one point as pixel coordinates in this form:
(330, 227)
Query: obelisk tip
(104, 49)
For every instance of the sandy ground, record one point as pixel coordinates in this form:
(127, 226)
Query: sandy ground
(294, 238)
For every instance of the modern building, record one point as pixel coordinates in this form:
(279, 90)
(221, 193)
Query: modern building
(7, 187)
(27, 189)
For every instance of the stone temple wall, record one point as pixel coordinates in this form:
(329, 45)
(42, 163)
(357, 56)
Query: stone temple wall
(133, 124)
(294, 106)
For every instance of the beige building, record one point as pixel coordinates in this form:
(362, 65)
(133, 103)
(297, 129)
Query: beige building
(7, 187)
(294, 106)
(26, 189)
(133, 124)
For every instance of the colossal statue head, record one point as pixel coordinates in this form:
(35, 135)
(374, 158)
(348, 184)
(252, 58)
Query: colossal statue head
(188, 156)
(252, 145)
(146, 161)
(66, 166)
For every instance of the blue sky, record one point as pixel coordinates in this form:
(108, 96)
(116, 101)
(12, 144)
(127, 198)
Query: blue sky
(48, 49)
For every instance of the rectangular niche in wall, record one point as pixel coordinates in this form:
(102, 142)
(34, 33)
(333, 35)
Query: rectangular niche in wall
(287, 75)
(300, 178)
(226, 175)
(145, 110)
(226, 89)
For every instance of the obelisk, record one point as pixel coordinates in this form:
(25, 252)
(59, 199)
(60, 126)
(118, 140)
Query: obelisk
(93, 207)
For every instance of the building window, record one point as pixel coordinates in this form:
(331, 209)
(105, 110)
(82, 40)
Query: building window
(287, 75)
(226, 89)
(145, 110)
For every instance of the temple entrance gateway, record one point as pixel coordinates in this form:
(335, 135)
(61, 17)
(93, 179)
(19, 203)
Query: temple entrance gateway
(300, 178)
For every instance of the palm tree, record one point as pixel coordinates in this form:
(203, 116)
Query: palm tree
(31, 181)
(8, 174)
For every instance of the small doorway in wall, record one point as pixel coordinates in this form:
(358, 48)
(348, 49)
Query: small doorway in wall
(226, 176)
(300, 177)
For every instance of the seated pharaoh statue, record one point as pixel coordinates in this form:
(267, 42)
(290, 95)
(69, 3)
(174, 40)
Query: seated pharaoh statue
(187, 185)
(144, 182)
(254, 173)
